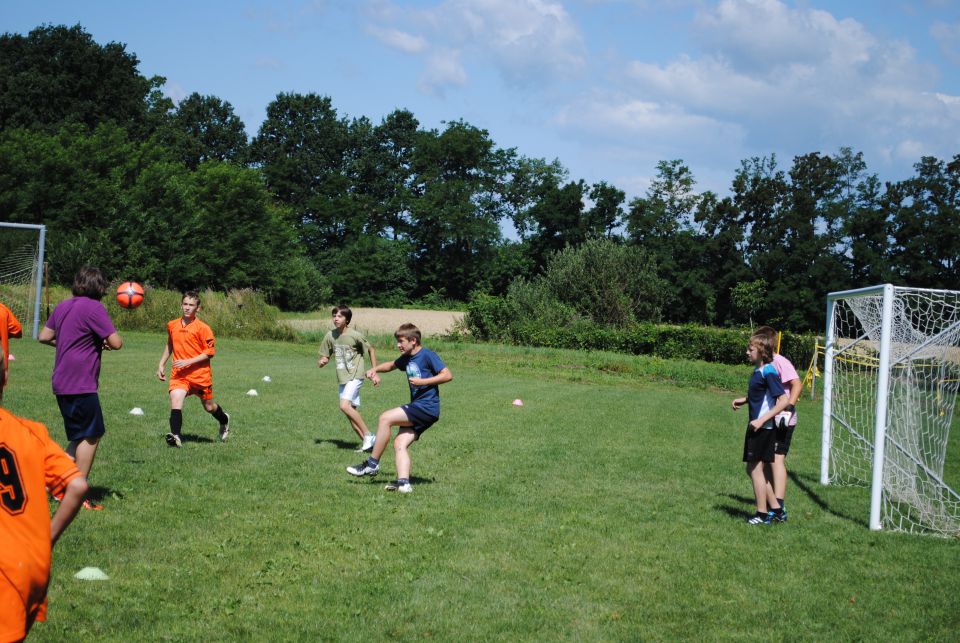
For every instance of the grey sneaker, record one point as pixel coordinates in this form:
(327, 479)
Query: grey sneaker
(396, 485)
(225, 429)
(368, 441)
(173, 440)
(363, 469)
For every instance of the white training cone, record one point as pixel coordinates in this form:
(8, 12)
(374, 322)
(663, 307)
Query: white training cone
(91, 573)
(266, 378)
(252, 392)
(518, 402)
(136, 411)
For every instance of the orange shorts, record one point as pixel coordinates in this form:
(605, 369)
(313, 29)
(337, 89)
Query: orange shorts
(203, 392)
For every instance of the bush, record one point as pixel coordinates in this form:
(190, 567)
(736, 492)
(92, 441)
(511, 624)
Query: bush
(514, 319)
(237, 313)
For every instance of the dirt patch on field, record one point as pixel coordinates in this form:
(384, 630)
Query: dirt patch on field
(376, 321)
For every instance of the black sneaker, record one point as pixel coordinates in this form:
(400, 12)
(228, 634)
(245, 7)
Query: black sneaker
(363, 469)
(173, 440)
(225, 429)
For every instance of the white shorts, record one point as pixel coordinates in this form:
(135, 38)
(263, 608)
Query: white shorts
(351, 391)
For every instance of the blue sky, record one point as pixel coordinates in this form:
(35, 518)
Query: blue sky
(609, 87)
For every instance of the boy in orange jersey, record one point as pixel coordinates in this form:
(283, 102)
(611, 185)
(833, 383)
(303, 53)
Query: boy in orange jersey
(9, 327)
(191, 343)
(30, 462)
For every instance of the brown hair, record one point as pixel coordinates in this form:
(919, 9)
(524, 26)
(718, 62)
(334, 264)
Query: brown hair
(764, 343)
(408, 331)
(192, 294)
(343, 310)
(90, 282)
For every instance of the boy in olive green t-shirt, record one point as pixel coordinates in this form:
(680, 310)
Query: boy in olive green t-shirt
(348, 347)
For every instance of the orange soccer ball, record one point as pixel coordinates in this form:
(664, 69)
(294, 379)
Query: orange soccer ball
(130, 294)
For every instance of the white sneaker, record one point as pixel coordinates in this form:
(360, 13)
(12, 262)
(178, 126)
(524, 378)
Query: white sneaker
(225, 429)
(173, 440)
(406, 487)
(368, 441)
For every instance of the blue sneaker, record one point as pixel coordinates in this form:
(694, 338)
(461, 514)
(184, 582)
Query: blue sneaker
(781, 517)
(759, 520)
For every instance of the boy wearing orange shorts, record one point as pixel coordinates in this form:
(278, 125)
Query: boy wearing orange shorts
(191, 343)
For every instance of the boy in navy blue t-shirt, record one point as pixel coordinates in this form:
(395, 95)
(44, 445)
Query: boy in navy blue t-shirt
(425, 372)
(765, 397)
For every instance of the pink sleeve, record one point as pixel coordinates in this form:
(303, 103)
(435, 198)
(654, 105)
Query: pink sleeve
(786, 370)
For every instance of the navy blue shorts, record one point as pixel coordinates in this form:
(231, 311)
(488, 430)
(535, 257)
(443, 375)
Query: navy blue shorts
(784, 436)
(82, 416)
(421, 420)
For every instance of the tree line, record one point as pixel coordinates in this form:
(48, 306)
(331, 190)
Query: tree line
(319, 206)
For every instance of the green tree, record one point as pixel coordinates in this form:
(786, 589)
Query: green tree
(662, 223)
(925, 225)
(455, 231)
(59, 74)
(204, 128)
(302, 149)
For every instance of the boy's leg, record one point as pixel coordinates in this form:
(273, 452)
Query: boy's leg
(401, 444)
(177, 396)
(83, 453)
(759, 480)
(356, 420)
(388, 419)
(221, 416)
(780, 475)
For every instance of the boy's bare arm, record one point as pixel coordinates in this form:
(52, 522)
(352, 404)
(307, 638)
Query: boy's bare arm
(69, 506)
(796, 388)
(738, 402)
(444, 376)
(202, 357)
(47, 336)
(163, 362)
(372, 371)
(113, 342)
(781, 404)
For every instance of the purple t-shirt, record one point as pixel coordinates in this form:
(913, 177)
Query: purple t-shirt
(81, 324)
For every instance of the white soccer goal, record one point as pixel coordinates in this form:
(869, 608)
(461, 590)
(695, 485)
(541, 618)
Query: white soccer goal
(21, 271)
(890, 387)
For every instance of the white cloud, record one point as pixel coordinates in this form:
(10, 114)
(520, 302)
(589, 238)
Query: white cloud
(772, 78)
(948, 38)
(443, 70)
(400, 40)
(529, 42)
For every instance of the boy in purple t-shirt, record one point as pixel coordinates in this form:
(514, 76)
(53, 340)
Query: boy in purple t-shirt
(80, 329)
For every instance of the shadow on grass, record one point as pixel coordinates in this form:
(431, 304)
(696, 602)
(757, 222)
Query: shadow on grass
(738, 512)
(96, 494)
(381, 479)
(805, 484)
(188, 437)
(340, 444)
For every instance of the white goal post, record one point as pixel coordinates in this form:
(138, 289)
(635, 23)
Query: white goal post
(21, 271)
(890, 386)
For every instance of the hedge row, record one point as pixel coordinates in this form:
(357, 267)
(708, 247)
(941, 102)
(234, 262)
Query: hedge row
(488, 318)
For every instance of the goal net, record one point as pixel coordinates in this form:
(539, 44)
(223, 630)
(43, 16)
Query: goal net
(21, 272)
(890, 387)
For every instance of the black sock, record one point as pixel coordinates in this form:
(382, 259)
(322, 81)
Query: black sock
(778, 511)
(403, 480)
(780, 502)
(373, 462)
(176, 421)
(219, 415)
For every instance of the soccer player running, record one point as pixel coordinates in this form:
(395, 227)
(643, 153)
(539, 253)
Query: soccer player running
(80, 330)
(425, 372)
(9, 327)
(192, 345)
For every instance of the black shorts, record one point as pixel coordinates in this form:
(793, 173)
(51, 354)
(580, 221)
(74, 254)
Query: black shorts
(82, 416)
(421, 420)
(784, 436)
(760, 446)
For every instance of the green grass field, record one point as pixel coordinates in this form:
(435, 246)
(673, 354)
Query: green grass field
(610, 507)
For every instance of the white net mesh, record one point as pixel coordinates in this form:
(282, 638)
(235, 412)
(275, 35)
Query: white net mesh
(19, 256)
(924, 371)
